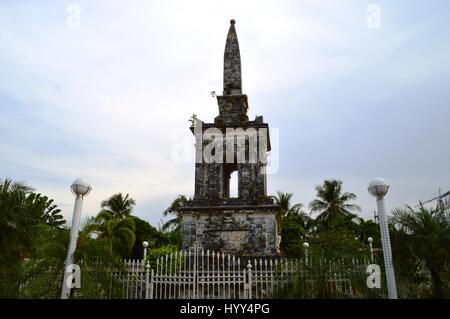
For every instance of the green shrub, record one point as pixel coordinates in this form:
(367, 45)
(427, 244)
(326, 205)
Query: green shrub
(156, 253)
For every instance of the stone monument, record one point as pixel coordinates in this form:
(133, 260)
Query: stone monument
(246, 224)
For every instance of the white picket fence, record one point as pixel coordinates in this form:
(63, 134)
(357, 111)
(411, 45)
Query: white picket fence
(200, 274)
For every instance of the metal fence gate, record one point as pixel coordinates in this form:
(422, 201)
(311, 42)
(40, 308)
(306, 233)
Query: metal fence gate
(196, 274)
(200, 274)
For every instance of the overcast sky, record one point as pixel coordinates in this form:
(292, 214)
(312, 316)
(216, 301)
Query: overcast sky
(109, 98)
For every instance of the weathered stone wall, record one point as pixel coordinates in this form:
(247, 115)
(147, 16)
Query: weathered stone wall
(232, 110)
(211, 179)
(250, 232)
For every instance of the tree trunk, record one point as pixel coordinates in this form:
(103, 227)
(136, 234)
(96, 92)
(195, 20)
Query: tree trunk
(437, 283)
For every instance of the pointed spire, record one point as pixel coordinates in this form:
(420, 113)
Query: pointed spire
(232, 78)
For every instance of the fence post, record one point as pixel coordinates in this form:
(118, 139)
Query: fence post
(151, 284)
(147, 274)
(249, 280)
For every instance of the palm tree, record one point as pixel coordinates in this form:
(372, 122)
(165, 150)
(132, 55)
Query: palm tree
(284, 201)
(173, 209)
(42, 274)
(118, 233)
(331, 202)
(8, 185)
(20, 211)
(118, 205)
(428, 233)
(295, 230)
(293, 223)
(366, 229)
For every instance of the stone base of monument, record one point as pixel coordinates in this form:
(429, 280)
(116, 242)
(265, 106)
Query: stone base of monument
(241, 231)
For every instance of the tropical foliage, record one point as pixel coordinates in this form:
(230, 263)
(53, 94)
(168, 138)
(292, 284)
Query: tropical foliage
(146, 232)
(34, 239)
(331, 202)
(117, 232)
(422, 239)
(295, 230)
(172, 227)
(156, 253)
(119, 206)
(283, 200)
(175, 222)
(21, 212)
(42, 274)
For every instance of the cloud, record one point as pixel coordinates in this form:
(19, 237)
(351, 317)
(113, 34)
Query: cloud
(104, 100)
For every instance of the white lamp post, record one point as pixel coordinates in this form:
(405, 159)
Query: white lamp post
(370, 240)
(305, 247)
(80, 188)
(145, 245)
(378, 189)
